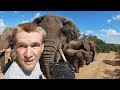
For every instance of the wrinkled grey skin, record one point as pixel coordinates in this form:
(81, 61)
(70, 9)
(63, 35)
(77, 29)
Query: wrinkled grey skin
(59, 32)
(86, 45)
(76, 58)
(6, 38)
(5, 42)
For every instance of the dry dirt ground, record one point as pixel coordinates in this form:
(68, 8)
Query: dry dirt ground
(105, 66)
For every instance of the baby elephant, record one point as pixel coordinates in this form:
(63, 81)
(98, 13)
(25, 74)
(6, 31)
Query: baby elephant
(77, 57)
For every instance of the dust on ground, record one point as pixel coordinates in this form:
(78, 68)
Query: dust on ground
(105, 66)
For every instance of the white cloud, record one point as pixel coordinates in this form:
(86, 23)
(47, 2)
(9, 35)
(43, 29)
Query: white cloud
(35, 16)
(81, 33)
(109, 39)
(2, 25)
(111, 32)
(114, 18)
(109, 21)
(24, 21)
(117, 17)
(89, 32)
(115, 40)
(16, 12)
(70, 19)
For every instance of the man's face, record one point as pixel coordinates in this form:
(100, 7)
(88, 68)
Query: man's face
(28, 48)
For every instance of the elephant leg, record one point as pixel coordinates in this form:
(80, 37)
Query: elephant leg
(86, 57)
(92, 50)
(87, 60)
(75, 64)
(80, 58)
(81, 62)
(93, 57)
(72, 67)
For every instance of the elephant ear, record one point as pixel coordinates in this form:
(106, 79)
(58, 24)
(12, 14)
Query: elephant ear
(92, 48)
(6, 38)
(70, 31)
(86, 45)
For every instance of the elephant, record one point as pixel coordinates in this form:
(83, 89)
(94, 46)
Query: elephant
(13, 57)
(60, 31)
(6, 38)
(77, 57)
(86, 45)
(5, 43)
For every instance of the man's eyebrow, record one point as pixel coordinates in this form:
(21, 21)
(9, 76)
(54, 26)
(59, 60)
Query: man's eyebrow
(20, 43)
(36, 43)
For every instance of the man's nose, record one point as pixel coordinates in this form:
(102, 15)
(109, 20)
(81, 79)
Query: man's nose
(28, 52)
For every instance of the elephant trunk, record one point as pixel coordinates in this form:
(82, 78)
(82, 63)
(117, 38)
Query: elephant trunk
(50, 49)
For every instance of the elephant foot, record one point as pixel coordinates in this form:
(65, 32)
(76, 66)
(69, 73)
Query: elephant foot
(87, 63)
(84, 63)
(77, 71)
(92, 60)
(81, 65)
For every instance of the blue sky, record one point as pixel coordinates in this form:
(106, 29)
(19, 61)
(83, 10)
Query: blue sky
(104, 24)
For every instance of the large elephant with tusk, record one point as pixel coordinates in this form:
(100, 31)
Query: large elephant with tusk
(60, 31)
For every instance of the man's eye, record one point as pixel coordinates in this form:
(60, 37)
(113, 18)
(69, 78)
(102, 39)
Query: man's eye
(21, 46)
(35, 45)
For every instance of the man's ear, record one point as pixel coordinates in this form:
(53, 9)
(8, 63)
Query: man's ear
(42, 48)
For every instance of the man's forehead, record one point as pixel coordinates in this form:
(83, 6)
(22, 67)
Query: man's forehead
(25, 43)
(23, 34)
(28, 37)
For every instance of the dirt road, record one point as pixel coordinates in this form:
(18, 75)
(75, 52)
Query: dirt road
(105, 66)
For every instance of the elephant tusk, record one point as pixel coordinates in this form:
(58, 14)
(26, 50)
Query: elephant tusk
(62, 54)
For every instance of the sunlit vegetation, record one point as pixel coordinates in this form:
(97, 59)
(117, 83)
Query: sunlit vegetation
(101, 46)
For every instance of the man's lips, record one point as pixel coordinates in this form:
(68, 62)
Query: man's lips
(29, 62)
